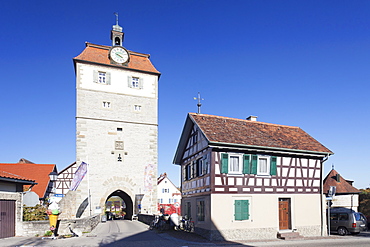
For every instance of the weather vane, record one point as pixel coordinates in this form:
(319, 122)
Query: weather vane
(116, 14)
(199, 104)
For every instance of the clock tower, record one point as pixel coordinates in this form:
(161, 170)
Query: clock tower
(116, 129)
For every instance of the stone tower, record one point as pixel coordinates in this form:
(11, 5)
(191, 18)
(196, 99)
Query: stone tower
(116, 128)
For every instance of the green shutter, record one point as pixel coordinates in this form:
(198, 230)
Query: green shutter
(241, 210)
(273, 169)
(246, 164)
(224, 163)
(254, 164)
(245, 210)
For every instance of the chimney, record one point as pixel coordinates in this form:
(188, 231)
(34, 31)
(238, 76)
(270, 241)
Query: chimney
(252, 118)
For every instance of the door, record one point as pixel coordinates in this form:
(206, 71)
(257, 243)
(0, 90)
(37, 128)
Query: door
(7, 218)
(284, 214)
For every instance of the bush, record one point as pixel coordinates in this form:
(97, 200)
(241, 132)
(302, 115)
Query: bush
(35, 213)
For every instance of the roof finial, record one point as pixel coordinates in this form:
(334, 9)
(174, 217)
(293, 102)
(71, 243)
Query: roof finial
(116, 14)
(117, 27)
(332, 166)
(199, 104)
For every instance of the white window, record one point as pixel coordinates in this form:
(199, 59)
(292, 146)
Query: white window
(135, 82)
(263, 167)
(102, 77)
(235, 164)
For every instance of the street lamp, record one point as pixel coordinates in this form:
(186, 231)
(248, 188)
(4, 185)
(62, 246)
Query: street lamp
(53, 177)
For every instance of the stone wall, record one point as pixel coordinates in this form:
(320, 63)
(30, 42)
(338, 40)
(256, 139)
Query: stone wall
(83, 225)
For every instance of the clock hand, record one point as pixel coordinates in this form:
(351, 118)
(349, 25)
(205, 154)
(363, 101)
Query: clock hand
(119, 55)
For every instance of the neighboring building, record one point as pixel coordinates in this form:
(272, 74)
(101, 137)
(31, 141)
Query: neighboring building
(11, 203)
(169, 196)
(36, 172)
(345, 194)
(116, 128)
(64, 180)
(244, 179)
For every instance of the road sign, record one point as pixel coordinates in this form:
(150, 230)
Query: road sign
(177, 204)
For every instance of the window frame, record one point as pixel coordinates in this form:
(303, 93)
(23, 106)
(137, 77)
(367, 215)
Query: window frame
(268, 166)
(240, 164)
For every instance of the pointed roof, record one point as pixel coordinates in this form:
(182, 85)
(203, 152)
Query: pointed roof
(99, 54)
(36, 172)
(231, 132)
(342, 186)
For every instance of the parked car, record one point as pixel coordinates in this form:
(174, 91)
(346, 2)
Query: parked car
(345, 221)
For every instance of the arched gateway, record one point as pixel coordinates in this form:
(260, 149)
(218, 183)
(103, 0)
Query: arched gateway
(116, 127)
(127, 205)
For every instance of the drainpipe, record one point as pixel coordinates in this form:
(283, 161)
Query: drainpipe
(322, 193)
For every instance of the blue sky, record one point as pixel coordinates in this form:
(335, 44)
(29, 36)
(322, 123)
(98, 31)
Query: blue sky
(297, 63)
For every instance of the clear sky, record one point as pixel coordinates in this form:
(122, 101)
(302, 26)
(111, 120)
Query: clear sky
(297, 63)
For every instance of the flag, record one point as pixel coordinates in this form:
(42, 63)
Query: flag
(79, 175)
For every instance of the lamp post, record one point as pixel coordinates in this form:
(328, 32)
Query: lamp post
(53, 177)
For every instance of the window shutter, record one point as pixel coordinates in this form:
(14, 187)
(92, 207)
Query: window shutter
(246, 164)
(241, 209)
(254, 164)
(245, 210)
(95, 76)
(141, 83)
(224, 163)
(108, 78)
(273, 168)
(129, 80)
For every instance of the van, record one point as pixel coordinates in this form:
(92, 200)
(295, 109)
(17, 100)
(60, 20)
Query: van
(345, 221)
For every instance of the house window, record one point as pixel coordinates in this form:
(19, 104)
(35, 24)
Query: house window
(135, 82)
(200, 210)
(241, 210)
(248, 164)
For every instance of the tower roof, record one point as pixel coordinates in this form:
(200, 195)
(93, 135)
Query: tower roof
(99, 54)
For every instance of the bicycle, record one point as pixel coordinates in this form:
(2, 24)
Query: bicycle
(158, 223)
(185, 224)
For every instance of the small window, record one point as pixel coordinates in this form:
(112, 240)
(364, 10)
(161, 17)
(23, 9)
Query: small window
(106, 104)
(119, 129)
(137, 107)
(101, 77)
(263, 167)
(343, 216)
(135, 82)
(188, 210)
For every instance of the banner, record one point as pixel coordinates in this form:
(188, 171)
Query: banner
(79, 175)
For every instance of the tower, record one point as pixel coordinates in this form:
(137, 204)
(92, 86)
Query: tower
(116, 127)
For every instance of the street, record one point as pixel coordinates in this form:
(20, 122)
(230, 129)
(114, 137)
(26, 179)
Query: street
(134, 233)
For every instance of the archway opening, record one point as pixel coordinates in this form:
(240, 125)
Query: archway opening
(119, 205)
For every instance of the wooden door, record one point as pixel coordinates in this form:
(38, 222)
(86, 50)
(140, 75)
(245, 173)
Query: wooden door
(7, 218)
(284, 214)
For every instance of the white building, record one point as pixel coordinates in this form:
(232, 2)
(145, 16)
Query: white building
(169, 196)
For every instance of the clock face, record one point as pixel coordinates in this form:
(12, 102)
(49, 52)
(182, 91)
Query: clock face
(119, 54)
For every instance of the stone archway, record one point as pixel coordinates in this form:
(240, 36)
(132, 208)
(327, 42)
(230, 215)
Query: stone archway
(128, 201)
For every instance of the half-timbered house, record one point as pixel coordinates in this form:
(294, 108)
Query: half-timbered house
(245, 179)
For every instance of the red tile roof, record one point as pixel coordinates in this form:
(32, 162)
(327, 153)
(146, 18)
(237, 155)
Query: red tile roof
(342, 187)
(5, 174)
(99, 54)
(37, 172)
(257, 134)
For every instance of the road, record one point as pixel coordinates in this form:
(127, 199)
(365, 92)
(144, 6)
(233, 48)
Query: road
(136, 234)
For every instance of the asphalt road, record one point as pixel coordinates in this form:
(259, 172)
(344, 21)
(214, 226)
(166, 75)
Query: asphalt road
(136, 234)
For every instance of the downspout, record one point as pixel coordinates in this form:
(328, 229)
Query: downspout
(322, 194)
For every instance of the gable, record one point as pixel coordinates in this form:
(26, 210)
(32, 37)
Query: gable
(342, 186)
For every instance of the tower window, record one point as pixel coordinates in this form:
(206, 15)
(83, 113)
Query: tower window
(135, 82)
(137, 107)
(106, 104)
(117, 41)
(102, 77)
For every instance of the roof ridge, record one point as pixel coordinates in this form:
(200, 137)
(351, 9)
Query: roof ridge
(245, 120)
